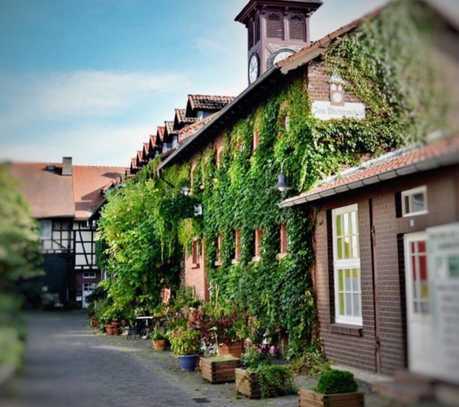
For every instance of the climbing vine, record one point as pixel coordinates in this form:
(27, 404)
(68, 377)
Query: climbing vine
(147, 228)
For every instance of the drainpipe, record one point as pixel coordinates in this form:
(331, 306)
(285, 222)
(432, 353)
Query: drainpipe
(375, 300)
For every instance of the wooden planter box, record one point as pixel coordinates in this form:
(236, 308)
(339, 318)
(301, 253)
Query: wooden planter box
(309, 398)
(231, 349)
(219, 369)
(247, 384)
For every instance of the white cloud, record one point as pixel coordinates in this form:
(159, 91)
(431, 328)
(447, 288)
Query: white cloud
(91, 144)
(81, 93)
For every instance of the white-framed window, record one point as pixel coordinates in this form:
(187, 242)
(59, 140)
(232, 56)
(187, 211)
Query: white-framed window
(414, 201)
(346, 259)
(45, 229)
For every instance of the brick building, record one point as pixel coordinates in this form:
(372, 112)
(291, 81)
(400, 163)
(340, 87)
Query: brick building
(371, 273)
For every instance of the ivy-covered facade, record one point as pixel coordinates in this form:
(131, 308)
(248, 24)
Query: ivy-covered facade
(242, 250)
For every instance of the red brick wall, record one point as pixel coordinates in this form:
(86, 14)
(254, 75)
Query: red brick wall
(319, 83)
(339, 343)
(196, 277)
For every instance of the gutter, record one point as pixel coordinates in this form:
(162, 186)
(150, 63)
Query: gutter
(445, 160)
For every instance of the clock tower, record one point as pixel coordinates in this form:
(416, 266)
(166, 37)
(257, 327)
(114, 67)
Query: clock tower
(276, 29)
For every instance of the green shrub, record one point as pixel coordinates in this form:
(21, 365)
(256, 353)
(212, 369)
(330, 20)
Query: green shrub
(158, 335)
(312, 363)
(253, 358)
(275, 380)
(12, 348)
(185, 342)
(335, 382)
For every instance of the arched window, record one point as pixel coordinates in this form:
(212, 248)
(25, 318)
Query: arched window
(275, 26)
(250, 30)
(298, 28)
(257, 29)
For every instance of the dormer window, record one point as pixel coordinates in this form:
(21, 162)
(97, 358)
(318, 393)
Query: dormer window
(201, 114)
(174, 141)
(298, 28)
(275, 26)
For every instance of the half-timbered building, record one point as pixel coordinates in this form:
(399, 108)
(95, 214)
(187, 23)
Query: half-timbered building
(65, 200)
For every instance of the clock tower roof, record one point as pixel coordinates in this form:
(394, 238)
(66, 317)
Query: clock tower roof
(310, 5)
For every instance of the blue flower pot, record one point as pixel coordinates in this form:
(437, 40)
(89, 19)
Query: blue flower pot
(188, 362)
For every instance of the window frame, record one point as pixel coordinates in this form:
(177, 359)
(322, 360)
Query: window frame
(346, 264)
(237, 246)
(409, 193)
(196, 253)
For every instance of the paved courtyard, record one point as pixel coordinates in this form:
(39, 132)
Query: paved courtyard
(67, 365)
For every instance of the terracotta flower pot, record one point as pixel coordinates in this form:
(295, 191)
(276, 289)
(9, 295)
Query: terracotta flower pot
(108, 329)
(115, 328)
(234, 349)
(159, 345)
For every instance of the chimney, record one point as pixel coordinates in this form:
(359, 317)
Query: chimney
(67, 166)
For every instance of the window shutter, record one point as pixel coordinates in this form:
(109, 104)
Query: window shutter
(297, 28)
(275, 26)
(398, 204)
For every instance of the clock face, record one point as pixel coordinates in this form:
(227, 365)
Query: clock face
(280, 56)
(254, 68)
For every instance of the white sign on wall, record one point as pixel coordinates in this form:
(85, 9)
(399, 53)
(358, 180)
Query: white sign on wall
(327, 111)
(443, 255)
(337, 108)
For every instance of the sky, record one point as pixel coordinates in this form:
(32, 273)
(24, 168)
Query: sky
(92, 79)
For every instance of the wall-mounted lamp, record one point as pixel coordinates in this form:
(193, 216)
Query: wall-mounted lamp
(282, 184)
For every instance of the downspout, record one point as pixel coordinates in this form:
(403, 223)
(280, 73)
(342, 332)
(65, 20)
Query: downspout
(373, 281)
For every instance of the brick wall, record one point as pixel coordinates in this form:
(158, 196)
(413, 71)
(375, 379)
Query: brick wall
(319, 83)
(360, 348)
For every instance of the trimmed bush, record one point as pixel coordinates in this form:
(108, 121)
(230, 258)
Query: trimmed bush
(336, 382)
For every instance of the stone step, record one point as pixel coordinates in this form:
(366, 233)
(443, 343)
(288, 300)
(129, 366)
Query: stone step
(407, 377)
(405, 392)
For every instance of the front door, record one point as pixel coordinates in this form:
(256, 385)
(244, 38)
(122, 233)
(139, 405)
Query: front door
(419, 317)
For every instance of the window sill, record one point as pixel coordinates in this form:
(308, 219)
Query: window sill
(281, 256)
(349, 330)
(218, 263)
(256, 259)
(413, 214)
(235, 261)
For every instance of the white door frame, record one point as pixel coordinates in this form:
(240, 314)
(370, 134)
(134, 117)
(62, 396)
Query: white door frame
(422, 364)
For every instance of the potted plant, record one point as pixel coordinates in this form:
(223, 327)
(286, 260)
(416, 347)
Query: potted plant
(185, 344)
(262, 379)
(334, 388)
(158, 340)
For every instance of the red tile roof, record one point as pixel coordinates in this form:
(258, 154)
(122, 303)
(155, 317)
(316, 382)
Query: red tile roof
(190, 130)
(52, 195)
(89, 185)
(444, 151)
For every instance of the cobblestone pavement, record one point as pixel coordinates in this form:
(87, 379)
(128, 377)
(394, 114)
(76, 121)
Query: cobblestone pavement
(67, 365)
